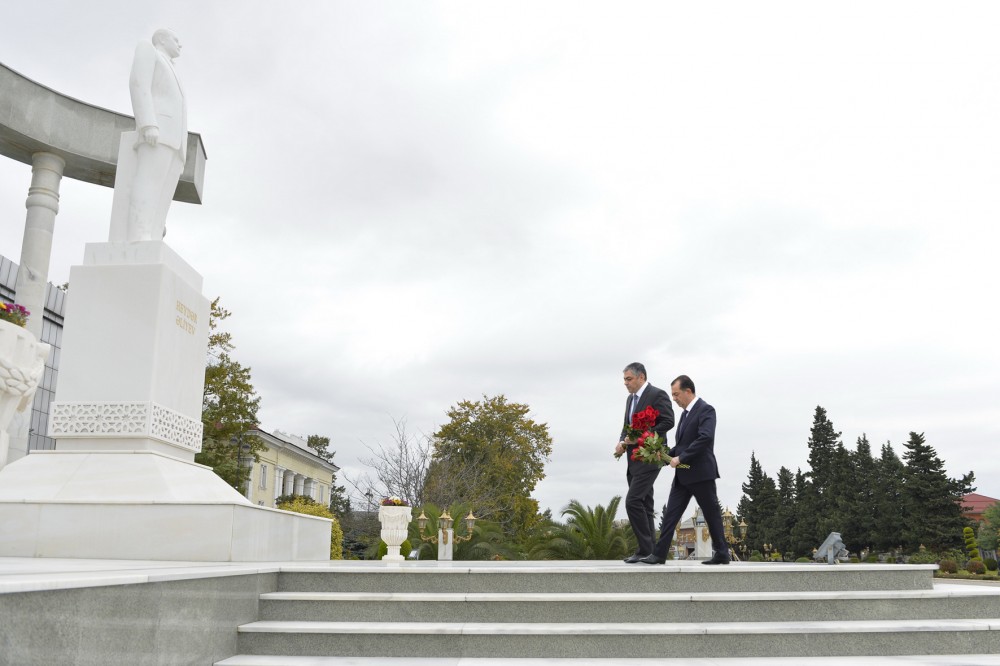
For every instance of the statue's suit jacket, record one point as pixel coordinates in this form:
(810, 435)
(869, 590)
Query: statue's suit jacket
(157, 97)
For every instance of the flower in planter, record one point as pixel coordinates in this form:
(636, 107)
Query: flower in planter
(394, 501)
(14, 313)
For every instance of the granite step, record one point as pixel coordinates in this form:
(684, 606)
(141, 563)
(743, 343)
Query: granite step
(621, 639)
(912, 660)
(954, 602)
(605, 577)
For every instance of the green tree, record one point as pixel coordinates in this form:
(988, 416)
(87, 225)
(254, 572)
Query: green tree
(804, 534)
(818, 510)
(759, 506)
(321, 445)
(858, 498)
(932, 502)
(784, 520)
(490, 456)
(989, 528)
(339, 503)
(589, 534)
(822, 443)
(888, 497)
(229, 408)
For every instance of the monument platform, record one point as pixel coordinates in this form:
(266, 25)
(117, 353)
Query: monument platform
(491, 614)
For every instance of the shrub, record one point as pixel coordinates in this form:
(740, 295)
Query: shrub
(971, 547)
(756, 557)
(948, 566)
(923, 557)
(311, 507)
(872, 559)
(803, 559)
(990, 564)
(854, 560)
(975, 567)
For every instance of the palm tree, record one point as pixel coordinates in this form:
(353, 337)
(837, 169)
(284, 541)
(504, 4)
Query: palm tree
(589, 534)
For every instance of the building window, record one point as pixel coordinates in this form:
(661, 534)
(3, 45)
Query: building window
(263, 476)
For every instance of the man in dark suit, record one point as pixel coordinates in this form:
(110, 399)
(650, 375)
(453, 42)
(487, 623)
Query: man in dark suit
(640, 476)
(694, 447)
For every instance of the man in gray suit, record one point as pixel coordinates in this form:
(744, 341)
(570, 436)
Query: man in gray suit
(161, 123)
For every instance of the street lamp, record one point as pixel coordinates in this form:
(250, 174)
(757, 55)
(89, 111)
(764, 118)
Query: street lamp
(737, 538)
(445, 538)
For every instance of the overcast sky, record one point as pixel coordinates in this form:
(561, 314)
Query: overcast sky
(411, 204)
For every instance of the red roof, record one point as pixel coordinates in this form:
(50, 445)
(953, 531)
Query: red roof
(975, 503)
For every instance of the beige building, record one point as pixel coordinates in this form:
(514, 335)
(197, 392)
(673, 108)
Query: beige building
(288, 466)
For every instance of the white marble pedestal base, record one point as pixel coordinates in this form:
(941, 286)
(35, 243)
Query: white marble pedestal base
(143, 505)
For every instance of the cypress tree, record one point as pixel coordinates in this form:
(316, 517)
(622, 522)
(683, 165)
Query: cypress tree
(860, 504)
(803, 537)
(888, 500)
(823, 440)
(785, 518)
(932, 502)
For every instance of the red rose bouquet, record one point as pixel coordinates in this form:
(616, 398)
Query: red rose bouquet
(642, 424)
(650, 447)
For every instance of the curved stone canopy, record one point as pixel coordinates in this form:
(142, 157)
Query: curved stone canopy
(35, 118)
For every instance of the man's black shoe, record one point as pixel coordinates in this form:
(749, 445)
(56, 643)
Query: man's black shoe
(634, 558)
(653, 559)
(717, 559)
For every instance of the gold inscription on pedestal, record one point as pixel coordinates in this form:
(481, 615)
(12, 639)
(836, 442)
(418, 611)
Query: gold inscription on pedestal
(186, 319)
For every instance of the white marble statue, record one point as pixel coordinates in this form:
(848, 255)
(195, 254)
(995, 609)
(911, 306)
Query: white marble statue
(161, 140)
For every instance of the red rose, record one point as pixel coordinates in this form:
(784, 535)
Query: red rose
(645, 419)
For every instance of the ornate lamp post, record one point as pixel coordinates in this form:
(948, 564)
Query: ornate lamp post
(737, 537)
(445, 538)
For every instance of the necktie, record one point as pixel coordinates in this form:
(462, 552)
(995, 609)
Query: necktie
(680, 426)
(631, 407)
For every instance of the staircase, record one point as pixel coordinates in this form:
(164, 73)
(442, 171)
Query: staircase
(613, 610)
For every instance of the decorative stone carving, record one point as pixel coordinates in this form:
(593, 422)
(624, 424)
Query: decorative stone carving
(175, 428)
(22, 362)
(124, 419)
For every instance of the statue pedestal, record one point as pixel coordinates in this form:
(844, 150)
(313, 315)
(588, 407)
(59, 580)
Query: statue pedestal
(122, 482)
(132, 372)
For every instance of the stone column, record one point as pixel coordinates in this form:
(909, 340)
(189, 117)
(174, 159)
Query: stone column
(36, 248)
(299, 484)
(279, 482)
(289, 485)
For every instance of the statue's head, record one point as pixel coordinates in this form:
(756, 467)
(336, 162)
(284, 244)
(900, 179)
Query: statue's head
(167, 41)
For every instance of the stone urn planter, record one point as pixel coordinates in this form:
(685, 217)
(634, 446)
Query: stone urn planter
(395, 526)
(22, 362)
